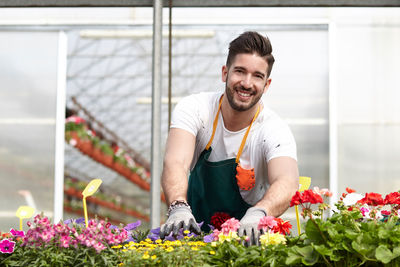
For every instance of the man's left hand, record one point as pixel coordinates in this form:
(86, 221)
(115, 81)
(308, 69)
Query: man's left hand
(249, 225)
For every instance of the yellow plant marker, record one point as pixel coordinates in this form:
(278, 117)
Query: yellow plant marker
(304, 184)
(24, 212)
(90, 189)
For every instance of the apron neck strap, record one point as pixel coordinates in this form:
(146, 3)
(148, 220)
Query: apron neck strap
(215, 123)
(244, 137)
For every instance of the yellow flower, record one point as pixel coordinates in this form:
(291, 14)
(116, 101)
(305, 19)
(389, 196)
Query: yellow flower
(119, 246)
(186, 232)
(145, 256)
(212, 252)
(213, 244)
(153, 257)
(169, 249)
(195, 248)
(229, 237)
(272, 239)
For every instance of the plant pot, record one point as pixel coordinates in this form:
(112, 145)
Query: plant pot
(97, 155)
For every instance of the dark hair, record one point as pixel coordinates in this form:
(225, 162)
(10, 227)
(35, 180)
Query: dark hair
(250, 43)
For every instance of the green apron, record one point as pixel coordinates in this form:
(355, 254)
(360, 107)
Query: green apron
(212, 185)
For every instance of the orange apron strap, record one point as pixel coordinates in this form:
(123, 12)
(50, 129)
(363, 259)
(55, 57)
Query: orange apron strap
(245, 136)
(215, 124)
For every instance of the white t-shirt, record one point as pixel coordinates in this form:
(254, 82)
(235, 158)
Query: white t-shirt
(269, 137)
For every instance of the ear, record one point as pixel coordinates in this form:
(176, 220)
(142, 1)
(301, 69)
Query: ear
(224, 73)
(267, 84)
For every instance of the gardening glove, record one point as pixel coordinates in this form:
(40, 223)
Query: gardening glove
(249, 225)
(180, 217)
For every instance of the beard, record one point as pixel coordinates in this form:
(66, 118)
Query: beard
(237, 105)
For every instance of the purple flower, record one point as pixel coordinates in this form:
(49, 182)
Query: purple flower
(68, 221)
(17, 233)
(7, 246)
(208, 238)
(80, 220)
(132, 226)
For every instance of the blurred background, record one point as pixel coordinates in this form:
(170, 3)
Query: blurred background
(335, 82)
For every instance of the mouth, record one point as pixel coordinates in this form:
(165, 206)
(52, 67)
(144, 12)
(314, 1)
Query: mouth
(243, 94)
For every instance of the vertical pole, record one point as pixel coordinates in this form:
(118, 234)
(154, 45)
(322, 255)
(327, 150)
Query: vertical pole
(60, 128)
(333, 120)
(156, 115)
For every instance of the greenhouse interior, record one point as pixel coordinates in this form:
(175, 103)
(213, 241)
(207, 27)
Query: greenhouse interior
(335, 82)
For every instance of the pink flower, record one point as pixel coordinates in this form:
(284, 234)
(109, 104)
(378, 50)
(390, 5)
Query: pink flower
(99, 247)
(17, 233)
(7, 246)
(266, 223)
(322, 192)
(230, 225)
(64, 241)
(364, 211)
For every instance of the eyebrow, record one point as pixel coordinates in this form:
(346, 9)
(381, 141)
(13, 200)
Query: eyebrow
(242, 68)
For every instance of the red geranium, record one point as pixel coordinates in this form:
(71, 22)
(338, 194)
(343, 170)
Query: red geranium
(393, 198)
(282, 227)
(373, 199)
(308, 196)
(218, 219)
(350, 190)
(297, 199)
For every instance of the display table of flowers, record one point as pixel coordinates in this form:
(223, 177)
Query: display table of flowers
(363, 230)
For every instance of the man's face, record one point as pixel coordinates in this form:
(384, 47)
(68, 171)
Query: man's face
(245, 81)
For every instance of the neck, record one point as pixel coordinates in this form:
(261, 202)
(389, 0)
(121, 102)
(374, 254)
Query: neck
(237, 120)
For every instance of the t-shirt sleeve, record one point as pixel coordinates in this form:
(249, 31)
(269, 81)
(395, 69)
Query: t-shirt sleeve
(186, 115)
(280, 143)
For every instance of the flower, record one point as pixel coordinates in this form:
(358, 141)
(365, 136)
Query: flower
(230, 225)
(322, 192)
(272, 239)
(307, 196)
(393, 198)
(266, 223)
(351, 199)
(17, 233)
(218, 219)
(132, 226)
(208, 238)
(282, 227)
(7, 246)
(373, 199)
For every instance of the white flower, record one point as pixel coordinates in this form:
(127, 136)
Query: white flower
(352, 199)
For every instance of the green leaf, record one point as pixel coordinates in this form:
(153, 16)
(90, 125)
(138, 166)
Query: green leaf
(383, 254)
(313, 232)
(323, 250)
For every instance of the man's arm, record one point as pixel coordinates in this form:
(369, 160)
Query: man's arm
(284, 182)
(178, 157)
(283, 177)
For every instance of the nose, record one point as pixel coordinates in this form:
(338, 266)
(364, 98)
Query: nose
(246, 81)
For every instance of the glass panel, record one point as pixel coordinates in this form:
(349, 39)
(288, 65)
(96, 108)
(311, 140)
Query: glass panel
(28, 74)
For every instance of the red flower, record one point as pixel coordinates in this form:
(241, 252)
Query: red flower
(393, 198)
(308, 196)
(282, 227)
(296, 199)
(218, 219)
(350, 190)
(373, 199)
(385, 212)
(312, 197)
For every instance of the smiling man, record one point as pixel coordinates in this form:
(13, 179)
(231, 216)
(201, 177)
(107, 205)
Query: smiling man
(239, 155)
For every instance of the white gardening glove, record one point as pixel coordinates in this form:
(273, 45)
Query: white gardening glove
(180, 217)
(249, 225)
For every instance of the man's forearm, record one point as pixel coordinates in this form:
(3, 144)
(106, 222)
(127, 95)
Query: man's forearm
(277, 198)
(174, 182)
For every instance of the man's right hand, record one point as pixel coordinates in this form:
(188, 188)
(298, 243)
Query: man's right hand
(180, 217)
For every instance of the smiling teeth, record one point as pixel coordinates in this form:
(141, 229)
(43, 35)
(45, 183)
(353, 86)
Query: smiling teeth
(243, 94)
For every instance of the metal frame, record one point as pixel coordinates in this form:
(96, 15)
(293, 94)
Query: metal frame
(201, 3)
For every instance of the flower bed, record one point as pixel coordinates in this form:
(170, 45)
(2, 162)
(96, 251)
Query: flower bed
(363, 230)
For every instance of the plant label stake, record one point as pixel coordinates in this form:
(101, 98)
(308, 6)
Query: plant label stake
(24, 212)
(90, 189)
(304, 184)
